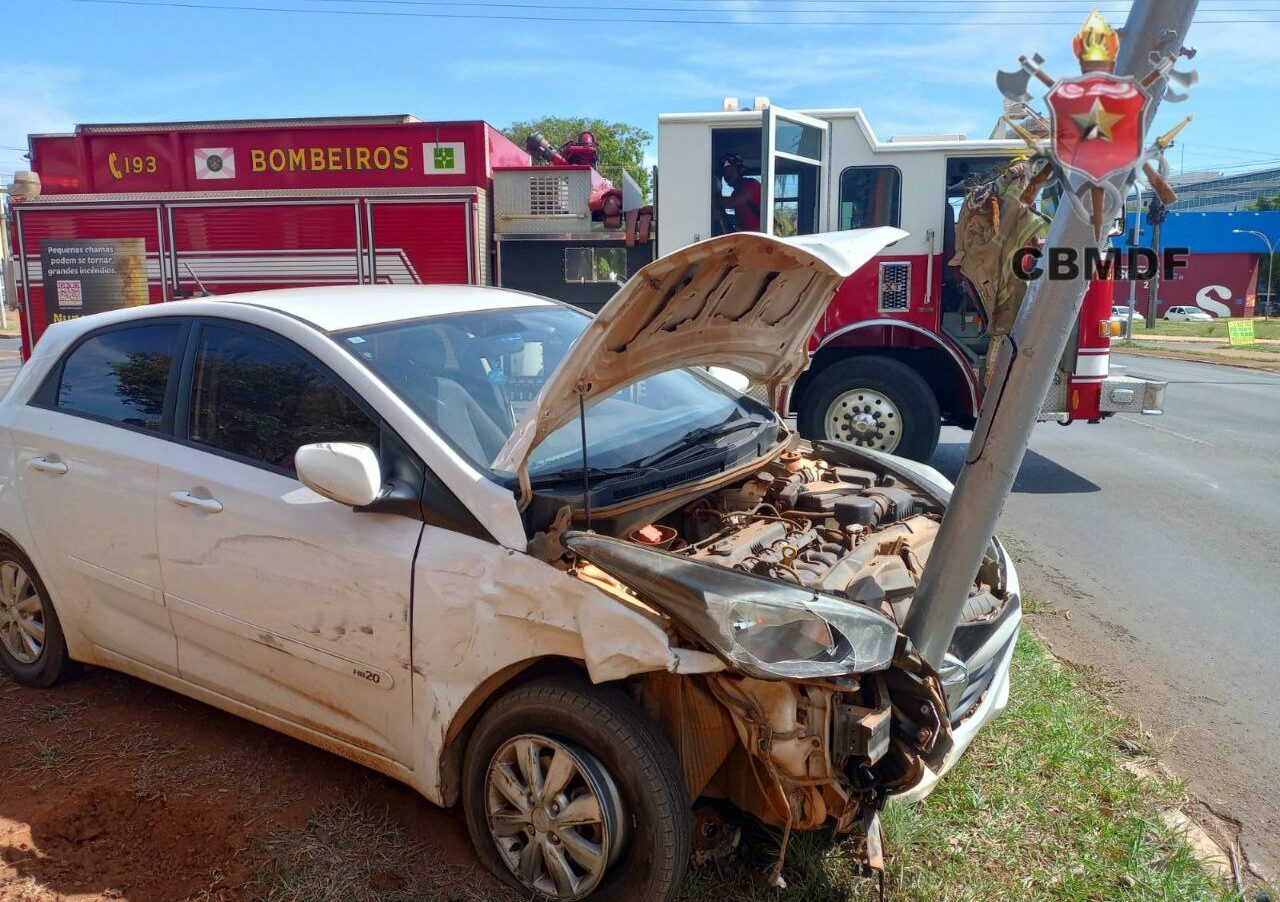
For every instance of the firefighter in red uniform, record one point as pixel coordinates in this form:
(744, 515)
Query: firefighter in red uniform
(744, 201)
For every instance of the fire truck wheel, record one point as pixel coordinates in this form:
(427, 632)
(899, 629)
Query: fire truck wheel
(873, 402)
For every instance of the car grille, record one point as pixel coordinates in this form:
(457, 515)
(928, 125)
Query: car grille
(980, 680)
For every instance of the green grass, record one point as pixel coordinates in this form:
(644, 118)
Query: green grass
(1041, 808)
(1262, 328)
(1217, 354)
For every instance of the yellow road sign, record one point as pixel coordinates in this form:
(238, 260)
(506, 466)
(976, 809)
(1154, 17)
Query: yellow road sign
(1240, 332)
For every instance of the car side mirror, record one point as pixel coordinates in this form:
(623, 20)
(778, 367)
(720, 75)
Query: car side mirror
(346, 472)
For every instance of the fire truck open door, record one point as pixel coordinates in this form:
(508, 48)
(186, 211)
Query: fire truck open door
(794, 175)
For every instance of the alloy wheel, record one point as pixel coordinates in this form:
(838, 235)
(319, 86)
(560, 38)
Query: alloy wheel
(555, 815)
(22, 626)
(866, 418)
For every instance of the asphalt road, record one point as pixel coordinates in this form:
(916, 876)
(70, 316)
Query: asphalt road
(1161, 538)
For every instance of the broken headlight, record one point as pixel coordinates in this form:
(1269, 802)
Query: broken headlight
(765, 628)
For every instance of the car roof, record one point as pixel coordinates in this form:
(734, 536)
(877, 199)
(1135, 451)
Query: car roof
(329, 309)
(334, 309)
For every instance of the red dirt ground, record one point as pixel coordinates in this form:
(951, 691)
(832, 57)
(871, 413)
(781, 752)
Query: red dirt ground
(115, 789)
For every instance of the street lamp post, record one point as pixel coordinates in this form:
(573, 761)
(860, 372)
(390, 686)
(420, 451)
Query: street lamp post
(1133, 282)
(1271, 259)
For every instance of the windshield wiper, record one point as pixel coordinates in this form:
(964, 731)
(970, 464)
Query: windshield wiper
(574, 474)
(689, 442)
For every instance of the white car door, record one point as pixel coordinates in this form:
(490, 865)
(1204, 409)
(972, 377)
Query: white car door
(89, 443)
(282, 599)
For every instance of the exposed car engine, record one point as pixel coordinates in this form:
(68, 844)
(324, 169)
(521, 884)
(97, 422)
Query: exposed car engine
(838, 535)
(837, 529)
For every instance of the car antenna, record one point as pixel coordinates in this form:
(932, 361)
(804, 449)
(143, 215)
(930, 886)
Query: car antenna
(583, 388)
(204, 292)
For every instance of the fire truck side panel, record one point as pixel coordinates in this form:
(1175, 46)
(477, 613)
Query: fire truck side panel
(228, 248)
(267, 156)
(421, 242)
(502, 150)
(32, 226)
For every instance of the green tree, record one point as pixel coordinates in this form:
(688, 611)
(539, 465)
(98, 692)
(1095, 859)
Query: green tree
(1266, 204)
(622, 146)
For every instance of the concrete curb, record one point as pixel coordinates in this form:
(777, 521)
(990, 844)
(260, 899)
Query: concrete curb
(1192, 339)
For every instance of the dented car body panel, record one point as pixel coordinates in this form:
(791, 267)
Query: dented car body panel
(744, 587)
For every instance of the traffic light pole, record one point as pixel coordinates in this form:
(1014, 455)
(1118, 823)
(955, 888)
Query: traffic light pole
(1023, 371)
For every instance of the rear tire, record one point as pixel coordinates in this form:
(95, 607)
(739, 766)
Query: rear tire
(872, 401)
(33, 649)
(619, 756)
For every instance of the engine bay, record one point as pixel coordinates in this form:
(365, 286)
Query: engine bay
(841, 530)
(832, 530)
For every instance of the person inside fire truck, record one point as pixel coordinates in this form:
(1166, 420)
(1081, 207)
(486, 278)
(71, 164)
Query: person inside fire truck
(744, 202)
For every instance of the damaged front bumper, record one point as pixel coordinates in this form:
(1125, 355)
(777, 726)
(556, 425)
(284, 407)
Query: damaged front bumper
(824, 710)
(977, 680)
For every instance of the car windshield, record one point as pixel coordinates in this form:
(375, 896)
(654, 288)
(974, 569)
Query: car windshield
(471, 376)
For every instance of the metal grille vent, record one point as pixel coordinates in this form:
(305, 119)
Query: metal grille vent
(549, 195)
(895, 287)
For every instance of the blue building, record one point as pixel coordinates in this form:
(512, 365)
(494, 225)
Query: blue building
(1227, 265)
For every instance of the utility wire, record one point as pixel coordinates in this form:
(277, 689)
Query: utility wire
(758, 6)
(724, 22)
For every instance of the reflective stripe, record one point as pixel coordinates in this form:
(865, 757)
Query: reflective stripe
(1097, 364)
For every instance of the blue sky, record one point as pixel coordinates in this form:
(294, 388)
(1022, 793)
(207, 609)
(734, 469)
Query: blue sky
(69, 61)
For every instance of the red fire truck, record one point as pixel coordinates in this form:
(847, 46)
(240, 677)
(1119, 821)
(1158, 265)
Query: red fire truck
(114, 215)
(903, 345)
(131, 214)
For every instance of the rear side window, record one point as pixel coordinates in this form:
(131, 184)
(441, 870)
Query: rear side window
(121, 376)
(262, 399)
(870, 196)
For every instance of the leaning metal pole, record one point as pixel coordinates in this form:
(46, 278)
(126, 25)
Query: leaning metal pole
(1021, 377)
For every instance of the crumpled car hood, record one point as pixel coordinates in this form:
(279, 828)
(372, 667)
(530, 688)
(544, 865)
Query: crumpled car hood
(747, 302)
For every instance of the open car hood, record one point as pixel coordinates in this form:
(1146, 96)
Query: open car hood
(747, 302)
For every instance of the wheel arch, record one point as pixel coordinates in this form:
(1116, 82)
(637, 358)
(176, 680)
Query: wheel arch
(496, 685)
(940, 364)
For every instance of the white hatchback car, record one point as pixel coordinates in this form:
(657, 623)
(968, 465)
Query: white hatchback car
(1187, 315)
(364, 517)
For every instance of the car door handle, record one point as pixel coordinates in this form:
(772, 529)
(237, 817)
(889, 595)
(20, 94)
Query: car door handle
(186, 499)
(45, 465)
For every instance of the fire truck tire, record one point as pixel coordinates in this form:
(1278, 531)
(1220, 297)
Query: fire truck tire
(875, 402)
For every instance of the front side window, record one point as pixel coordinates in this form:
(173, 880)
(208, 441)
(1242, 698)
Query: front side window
(261, 399)
(870, 196)
(471, 376)
(121, 376)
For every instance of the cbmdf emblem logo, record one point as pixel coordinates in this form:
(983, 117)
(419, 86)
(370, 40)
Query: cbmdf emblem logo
(1097, 122)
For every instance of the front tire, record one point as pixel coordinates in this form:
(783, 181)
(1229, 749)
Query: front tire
(874, 402)
(571, 792)
(32, 648)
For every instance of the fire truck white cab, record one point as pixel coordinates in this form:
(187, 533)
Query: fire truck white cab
(903, 346)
